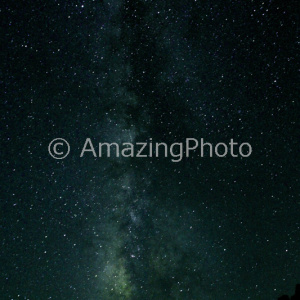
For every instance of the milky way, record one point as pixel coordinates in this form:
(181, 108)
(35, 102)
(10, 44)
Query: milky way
(149, 228)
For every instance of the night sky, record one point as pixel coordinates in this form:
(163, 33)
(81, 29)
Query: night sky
(148, 228)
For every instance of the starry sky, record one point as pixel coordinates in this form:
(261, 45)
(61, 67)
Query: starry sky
(148, 228)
